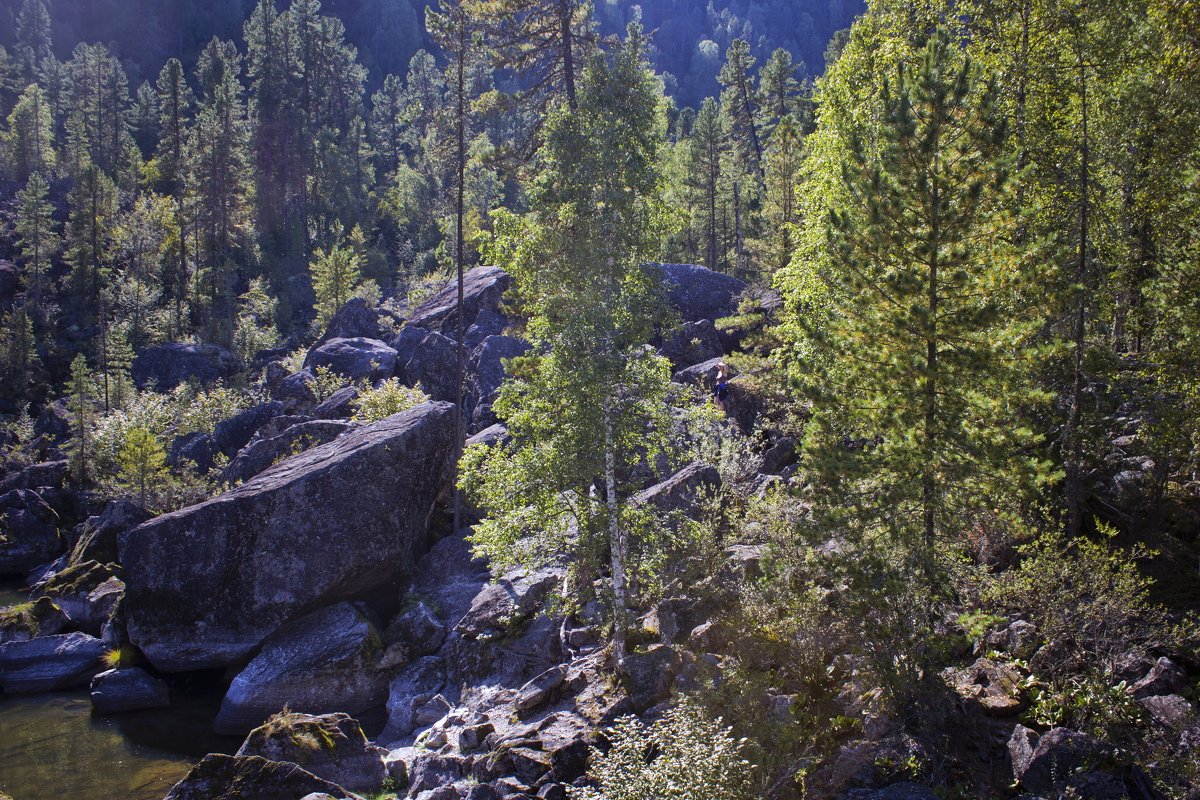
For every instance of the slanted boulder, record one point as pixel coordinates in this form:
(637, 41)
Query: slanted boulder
(232, 434)
(1165, 677)
(1042, 764)
(698, 293)
(222, 777)
(116, 691)
(88, 592)
(702, 374)
(26, 621)
(356, 318)
(97, 540)
(165, 366)
(483, 288)
(648, 676)
(339, 405)
(330, 746)
(49, 663)
(195, 450)
(28, 532)
(207, 584)
(358, 358)
(413, 687)
(297, 392)
(683, 491)
(260, 454)
(320, 663)
(501, 606)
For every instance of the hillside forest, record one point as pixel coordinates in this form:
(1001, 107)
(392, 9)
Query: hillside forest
(946, 542)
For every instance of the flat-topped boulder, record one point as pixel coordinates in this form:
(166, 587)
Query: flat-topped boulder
(357, 358)
(699, 293)
(208, 583)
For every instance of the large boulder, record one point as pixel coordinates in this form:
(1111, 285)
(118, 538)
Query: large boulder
(28, 532)
(232, 434)
(330, 746)
(703, 374)
(359, 358)
(428, 359)
(43, 475)
(320, 663)
(356, 318)
(207, 584)
(297, 392)
(1042, 764)
(49, 663)
(502, 606)
(483, 289)
(683, 491)
(261, 453)
(414, 686)
(698, 293)
(165, 366)
(1165, 677)
(88, 592)
(222, 777)
(27, 621)
(193, 451)
(116, 691)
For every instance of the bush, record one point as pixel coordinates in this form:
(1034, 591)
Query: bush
(684, 756)
(390, 397)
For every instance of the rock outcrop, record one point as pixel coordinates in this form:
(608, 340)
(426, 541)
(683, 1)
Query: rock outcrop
(330, 746)
(261, 453)
(207, 584)
(28, 532)
(222, 777)
(698, 293)
(116, 691)
(324, 662)
(483, 289)
(49, 663)
(358, 358)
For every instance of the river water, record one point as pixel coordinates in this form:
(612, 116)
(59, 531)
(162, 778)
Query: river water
(52, 747)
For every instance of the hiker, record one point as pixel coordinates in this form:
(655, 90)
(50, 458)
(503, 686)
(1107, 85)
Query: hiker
(720, 391)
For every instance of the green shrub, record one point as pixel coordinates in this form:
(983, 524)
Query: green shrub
(684, 756)
(390, 397)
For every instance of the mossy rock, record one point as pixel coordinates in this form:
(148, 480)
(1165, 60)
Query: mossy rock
(41, 617)
(331, 746)
(79, 579)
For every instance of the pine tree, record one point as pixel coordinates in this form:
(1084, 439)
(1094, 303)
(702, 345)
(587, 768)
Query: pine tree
(923, 336)
(335, 274)
(593, 394)
(141, 460)
(31, 135)
(705, 156)
(35, 233)
(737, 100)
(81, 403)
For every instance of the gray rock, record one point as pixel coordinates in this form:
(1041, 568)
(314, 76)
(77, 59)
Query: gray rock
(489, 322)
(1059, 752)
(339, 405)
(431, 770)
(777, 456)
(165, 366)
(49, 663)
(39, 618)
(702, 374)
(1169, 710)
(98, 535)
(232, 434)
(541, 689)
(698, 293)
(261, 453)
(489, 436)
(87, 592)
(330, 746)
(43, 475)
(683, 490)
(129, 689)
(208, 583)
(1165, 677)
(648, 676)
(222, 777)
(483, 288)
(197, 448)
(418, 628)
(691, 343)
(297, 392)
(416, 685)
(488, 373)
(1022, 639)
(431, 362)
(995, 685)
(356, 319)
(56, 422)
(28, 532)
(321, 663)
(502, 605)
(358, 359)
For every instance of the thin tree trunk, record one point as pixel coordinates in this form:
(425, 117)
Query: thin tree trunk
(564, 21)
(616, 539)
(462, 168)
(1071, 434)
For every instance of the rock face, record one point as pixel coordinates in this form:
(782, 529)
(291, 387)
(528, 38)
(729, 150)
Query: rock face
(128, 689)
(356, 318)
(48, 663)
(320, 663)
(702, 374)
(222, 777)
(682, 491)
(414, 686)
(231, 435)
(98, 535)
(165, 366)
(28, 532)
(331, 746)
(1165, 677)
(698, 293)
(208, 583)
(691, 343)
(483, 288)
(1059, 754)
(47, 474)
(358, 358)
(40, 618)
(488, 373)
(905, 790)
(502, 605)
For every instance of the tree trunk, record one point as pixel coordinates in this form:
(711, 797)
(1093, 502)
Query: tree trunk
(616, 539)
(1071, 441)
(461, 123)
(568, 58)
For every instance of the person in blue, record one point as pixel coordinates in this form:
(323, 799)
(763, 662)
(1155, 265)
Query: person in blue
(720, 391)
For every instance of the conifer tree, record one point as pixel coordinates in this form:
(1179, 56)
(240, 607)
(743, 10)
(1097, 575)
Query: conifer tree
(923, 339)
(335, 274)
(30, 135)
(705, 155)
(35, 233)
(81, 404)
(141, 460)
